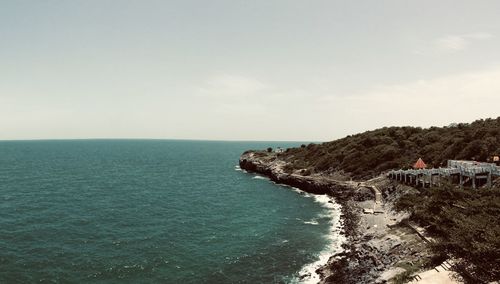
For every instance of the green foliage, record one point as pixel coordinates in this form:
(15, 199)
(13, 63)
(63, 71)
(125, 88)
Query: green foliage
(466, 224)
(269, 150)
(370, 153)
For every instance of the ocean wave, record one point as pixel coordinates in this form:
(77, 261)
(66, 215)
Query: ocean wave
(312, 222)
(260, 177)
(308, 275)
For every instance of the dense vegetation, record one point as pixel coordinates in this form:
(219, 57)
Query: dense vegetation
(466, 224)
(370, 153)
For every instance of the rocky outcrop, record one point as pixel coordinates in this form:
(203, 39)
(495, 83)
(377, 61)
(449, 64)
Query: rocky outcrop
(270, 165)
(344, 193)
(370, 250)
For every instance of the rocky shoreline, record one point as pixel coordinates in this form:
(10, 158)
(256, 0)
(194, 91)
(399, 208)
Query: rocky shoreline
(378, 248)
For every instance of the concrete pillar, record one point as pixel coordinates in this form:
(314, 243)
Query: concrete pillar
(461, 181)
(489, 179)
(474, 181)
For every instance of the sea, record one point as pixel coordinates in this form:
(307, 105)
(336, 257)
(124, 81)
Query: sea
(155, 211)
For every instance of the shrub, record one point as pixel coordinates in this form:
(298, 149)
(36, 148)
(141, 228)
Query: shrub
(464, 222)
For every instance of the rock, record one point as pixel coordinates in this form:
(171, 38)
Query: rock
(365, 254)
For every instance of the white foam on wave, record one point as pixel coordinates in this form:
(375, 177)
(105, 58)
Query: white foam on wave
(308, 273)
(237, 168)
(312, 222)
(300, 191)
(260, 177)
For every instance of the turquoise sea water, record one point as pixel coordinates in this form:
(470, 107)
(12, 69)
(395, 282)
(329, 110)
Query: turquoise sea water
(151, 211)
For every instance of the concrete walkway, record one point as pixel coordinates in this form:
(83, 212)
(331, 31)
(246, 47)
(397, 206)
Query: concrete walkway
(356, 185)
(437, 275)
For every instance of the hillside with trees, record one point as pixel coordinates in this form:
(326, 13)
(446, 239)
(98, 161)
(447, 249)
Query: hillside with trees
(465, 223)
(370, 153)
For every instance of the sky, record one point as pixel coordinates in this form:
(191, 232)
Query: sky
(244, 70)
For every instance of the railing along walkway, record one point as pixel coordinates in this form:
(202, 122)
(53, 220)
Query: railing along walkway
(463, 169)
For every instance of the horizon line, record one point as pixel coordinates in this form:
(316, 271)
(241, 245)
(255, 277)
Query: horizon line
(159, 139)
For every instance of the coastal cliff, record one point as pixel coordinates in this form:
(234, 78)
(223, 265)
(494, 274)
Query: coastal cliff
(383, 219)
(368, 154)
(373, 249)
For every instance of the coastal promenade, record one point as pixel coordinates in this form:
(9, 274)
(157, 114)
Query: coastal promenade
(464, 173)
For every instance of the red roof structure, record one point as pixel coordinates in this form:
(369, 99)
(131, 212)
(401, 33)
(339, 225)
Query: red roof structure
(420, 164)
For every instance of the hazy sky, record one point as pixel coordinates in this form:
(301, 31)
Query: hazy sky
(244, 70)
